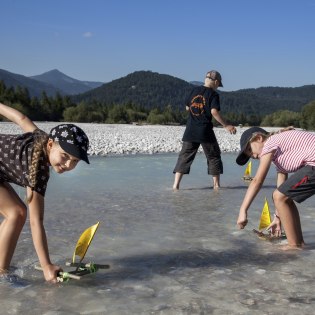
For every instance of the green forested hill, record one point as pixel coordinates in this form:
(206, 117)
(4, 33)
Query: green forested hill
(266, 100)
(144, 88)
(149, 97)
(151, 89)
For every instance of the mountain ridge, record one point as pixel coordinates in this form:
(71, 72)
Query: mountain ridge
(51, 82)
(151, 89)
(34, 87)
(65, 83)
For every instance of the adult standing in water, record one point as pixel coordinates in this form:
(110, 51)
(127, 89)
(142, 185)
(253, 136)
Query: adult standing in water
(203, 103)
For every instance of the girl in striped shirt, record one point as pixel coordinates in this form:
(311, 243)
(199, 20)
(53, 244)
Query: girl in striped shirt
(292, 151)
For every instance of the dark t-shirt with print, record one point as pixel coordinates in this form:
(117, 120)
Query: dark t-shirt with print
(15, 160)
(199, 127)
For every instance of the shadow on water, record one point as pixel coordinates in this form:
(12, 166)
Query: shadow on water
(222, 188)
(145, 266)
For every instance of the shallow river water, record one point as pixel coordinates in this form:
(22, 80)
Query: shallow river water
(169, 252)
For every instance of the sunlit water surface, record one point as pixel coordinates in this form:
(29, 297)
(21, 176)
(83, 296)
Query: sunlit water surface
(169, 252)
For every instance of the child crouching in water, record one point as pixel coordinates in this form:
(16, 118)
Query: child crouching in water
(292, 151)
(25, 160)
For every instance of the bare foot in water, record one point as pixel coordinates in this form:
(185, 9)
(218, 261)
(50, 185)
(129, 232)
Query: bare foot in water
(3, 272)
(292, 247)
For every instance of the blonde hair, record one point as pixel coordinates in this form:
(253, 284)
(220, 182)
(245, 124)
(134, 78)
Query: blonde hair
(267, 135)
(39, 149)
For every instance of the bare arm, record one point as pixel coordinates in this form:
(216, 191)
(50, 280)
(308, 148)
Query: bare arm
(216, 114)
(254, 188)
(36, 208)
(17, 117)
(275, 226)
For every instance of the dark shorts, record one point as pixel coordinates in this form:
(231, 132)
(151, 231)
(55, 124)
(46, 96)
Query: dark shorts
(188, 153)
(300, 185)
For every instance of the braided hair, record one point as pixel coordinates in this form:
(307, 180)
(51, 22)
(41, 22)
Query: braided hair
(39, 151)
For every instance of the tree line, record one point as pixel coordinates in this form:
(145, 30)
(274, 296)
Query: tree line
(63, 108)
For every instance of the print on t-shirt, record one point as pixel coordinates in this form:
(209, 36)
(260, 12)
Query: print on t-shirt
(197, 106)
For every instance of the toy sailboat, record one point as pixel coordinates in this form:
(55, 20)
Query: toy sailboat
(248, 172)
(265, 221)
(81, 248)
(265, 218)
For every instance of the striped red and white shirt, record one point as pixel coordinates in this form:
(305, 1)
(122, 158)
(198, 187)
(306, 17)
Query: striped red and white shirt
(293, 149)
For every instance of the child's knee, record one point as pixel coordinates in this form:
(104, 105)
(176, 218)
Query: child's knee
(278, 196)
(18, 214)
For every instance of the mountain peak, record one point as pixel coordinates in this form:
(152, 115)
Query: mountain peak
(50, 75)
(54, 71)
(65, 83)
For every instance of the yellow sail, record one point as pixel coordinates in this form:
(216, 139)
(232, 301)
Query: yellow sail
(248, 170)
(265, 218)
(84, 242)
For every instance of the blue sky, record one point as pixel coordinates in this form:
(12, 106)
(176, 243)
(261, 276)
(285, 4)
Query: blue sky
(252, 43)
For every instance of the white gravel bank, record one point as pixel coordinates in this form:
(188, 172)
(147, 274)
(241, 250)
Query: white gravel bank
(115, 139)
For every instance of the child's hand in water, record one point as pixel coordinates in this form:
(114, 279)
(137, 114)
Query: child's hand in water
(242, 220)
(275, 227)
(51, 273)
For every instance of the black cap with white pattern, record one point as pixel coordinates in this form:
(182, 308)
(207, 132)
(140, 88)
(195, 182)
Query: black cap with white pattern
(72, 139)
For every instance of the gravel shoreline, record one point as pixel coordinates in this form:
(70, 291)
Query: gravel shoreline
(122, 139)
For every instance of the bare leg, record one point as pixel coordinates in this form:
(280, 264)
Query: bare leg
(177, 179)
(290, 219)
(216, 181)
(14, 213)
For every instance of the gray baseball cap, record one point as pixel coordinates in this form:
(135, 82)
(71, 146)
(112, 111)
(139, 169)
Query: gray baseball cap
(242, 158)
(215, 75)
